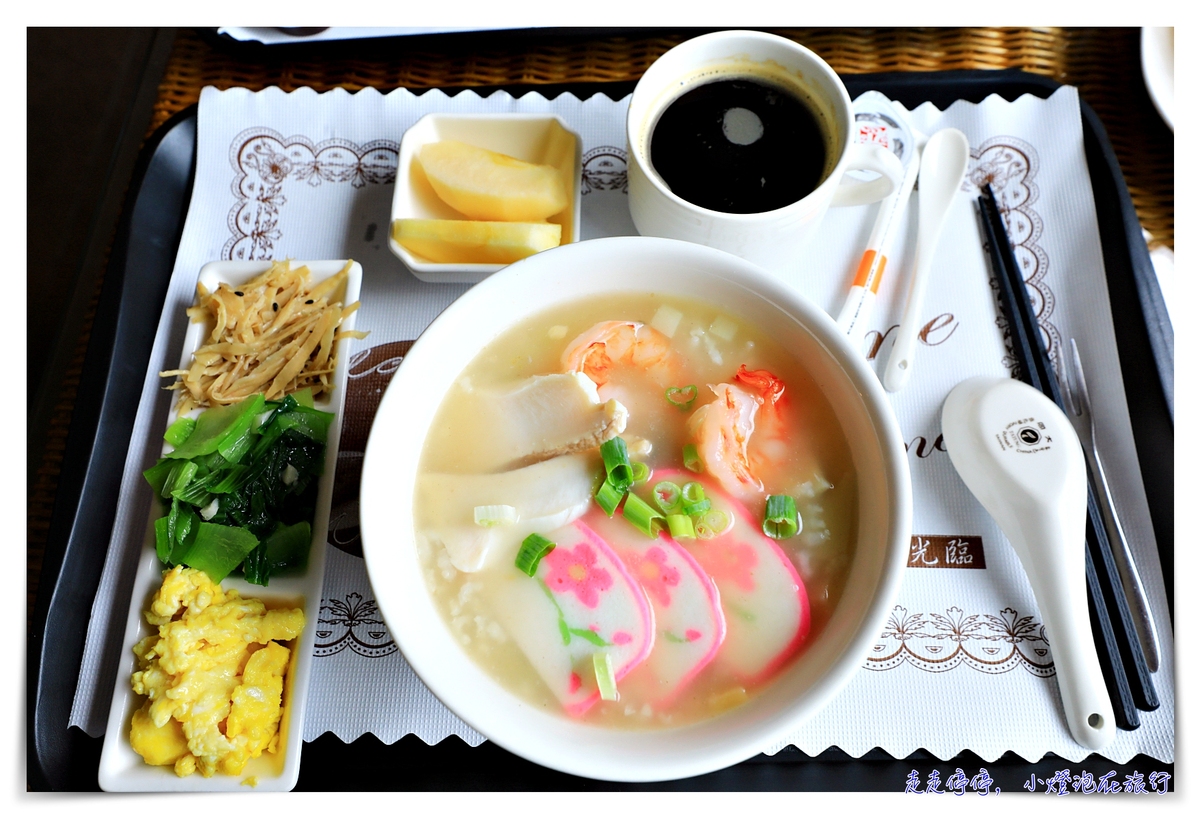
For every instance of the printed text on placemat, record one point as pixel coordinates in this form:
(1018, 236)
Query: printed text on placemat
(941, 551)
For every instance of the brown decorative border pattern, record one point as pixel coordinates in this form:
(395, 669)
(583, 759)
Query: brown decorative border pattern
(940, 642)
(264, 160)
(352, 622)
(1010, 164)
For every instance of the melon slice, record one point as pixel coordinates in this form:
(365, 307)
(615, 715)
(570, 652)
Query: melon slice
(475, 242)
(581, 601)
(763, 598)
(689, 625)
(490, 186)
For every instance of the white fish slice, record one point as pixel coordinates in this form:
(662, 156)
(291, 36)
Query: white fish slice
(546, 495)
(542, 417)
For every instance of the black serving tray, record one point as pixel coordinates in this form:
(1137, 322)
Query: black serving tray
(131, 300)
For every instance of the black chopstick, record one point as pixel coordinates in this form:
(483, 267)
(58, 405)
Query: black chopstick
(1132, 654)
(1120, 652)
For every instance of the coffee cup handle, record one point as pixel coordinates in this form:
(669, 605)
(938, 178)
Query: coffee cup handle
(874, 158)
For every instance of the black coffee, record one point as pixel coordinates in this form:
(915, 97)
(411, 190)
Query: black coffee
(739, 146)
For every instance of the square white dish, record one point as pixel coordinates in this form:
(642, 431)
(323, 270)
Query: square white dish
(122, 769)
(538, 138)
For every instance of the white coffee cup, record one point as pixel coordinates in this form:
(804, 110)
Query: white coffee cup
(774, 238)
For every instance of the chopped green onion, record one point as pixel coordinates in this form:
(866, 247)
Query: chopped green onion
(616, 463)
(643, 516)
(667, 495)
(695, 509)
(681, 527)
(780, 520)
(641, 472)
(609, 497)
(495, 515)
(691, 458)
(532, 550)
(682, 396)
(693, 492)
(606, 679)
(179, 431)
(705, 531)
(717, 521)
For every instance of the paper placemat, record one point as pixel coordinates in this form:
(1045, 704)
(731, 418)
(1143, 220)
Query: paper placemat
(961, 665)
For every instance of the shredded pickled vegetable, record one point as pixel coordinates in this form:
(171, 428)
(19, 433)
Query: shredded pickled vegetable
(275, 334)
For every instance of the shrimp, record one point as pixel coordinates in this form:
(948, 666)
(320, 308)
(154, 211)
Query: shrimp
(722, 431)
(770, 444)
(599, 350)
(742, 434)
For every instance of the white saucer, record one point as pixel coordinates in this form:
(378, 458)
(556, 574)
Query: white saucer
(1158, 69)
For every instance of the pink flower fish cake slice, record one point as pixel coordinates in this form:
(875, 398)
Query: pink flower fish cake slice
(689, 625)
(762, 595)
(581, 601)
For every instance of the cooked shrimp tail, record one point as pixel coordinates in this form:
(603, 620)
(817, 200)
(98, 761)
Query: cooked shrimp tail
(604, 347)
(722, 431)
(766, 385)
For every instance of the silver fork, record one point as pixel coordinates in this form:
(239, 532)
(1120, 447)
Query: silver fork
(1079, 410)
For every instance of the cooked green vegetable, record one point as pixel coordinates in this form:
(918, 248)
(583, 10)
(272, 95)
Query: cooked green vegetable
(691, 459)
(286, 548)
(243, 484)
(179, 431)
(219, 427)
(217, 549)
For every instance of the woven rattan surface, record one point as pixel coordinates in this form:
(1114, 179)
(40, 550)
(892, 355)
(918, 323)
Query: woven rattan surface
(1103, 63)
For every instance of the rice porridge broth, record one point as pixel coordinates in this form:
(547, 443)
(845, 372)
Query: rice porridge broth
(813, 465)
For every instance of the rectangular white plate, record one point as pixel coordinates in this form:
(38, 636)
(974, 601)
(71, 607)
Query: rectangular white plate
(123, 770)
(538, 138)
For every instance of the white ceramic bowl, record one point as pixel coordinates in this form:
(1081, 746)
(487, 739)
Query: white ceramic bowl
(543, 139)
(667, 267)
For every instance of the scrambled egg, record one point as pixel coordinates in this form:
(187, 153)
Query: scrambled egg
(213, 676)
